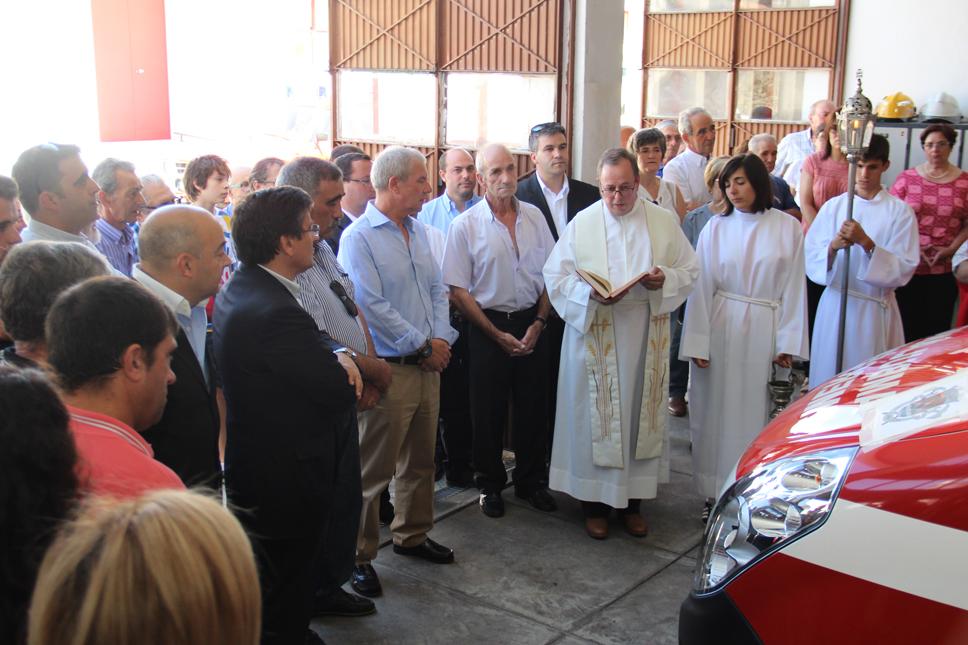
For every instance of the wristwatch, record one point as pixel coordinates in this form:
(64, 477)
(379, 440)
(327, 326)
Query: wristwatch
(426, 350)
(348, 351)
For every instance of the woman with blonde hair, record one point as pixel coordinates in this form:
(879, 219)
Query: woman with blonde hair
(168, 567)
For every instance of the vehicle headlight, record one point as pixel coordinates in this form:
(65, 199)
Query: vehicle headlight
(767, 507)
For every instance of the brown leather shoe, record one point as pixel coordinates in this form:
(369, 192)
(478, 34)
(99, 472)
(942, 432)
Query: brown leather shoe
(596, 527)
(635, 524)
(677, 406)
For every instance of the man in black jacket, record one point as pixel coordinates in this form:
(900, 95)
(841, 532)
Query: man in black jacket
(289, 405)
(560, 198)
(182, 258)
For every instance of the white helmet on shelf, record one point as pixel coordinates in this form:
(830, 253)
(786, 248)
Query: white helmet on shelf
(943, 107)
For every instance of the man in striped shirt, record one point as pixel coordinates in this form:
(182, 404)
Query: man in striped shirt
(119, 203)
(326, 293)
(111, 352)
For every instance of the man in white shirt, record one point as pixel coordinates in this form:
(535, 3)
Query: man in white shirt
(670, 129)
(686, 170)
(182, 258)
(57, 192)
(492, 264)
(795, 147)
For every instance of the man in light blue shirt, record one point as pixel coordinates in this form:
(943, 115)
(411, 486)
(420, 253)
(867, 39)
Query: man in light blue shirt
(399, 288)
(460, 179)
(120, 202)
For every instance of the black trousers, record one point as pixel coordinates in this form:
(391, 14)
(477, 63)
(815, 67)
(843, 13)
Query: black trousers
(814, 291)
(678, 370)
(455, 406)
(496, 379)
(927, 305)
(339, 555)
(554, 333)
(287, 576)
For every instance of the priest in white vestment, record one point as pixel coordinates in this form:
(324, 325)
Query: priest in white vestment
(747, 313)
(610, 446)
(884, 253)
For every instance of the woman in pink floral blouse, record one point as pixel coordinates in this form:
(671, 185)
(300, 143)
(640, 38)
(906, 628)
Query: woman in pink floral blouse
(937, 190)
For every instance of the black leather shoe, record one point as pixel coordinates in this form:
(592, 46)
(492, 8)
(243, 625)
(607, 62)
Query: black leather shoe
(386, 508)
(365, 581)
(343, 603)
(540, 499)
(492, 504)
(428, 550)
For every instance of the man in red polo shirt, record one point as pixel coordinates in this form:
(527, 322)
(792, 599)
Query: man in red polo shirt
(111, 352)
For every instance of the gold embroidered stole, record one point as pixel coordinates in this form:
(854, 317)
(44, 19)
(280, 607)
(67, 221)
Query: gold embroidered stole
(591, 254)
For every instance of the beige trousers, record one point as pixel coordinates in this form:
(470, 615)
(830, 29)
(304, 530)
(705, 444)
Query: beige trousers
(397, 440)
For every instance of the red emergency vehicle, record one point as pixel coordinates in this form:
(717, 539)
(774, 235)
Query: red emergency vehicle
(847, 518)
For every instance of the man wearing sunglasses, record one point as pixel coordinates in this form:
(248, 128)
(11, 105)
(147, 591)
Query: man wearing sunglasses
(327, 295)
(156, 193)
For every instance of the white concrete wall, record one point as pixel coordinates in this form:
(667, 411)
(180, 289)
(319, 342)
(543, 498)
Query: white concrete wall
(919, 48)
(598, 83)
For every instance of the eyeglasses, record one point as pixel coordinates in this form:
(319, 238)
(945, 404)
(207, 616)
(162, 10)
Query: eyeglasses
(241, 184)
(171, 202)
(613, 190)
(362, 180)
(313, 228)
(344, 297)
(936, 144)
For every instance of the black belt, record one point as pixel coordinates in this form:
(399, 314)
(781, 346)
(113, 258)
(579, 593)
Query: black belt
(526, 315)
(409, 359)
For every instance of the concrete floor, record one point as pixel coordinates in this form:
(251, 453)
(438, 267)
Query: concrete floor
(533, 577)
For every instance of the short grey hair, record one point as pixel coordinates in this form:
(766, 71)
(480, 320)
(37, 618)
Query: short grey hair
(307, 172)
(665, 123)
(106, 173)
(34, 274)
(8, 188)
(757, 139)
(685, 119)
(394, 161)
(152, 179)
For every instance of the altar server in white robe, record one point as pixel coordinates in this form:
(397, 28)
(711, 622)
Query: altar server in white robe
(884, 253)
(747, 313)
(610, 447)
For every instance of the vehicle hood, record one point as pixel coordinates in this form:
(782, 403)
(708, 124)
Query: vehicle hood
(913, 391)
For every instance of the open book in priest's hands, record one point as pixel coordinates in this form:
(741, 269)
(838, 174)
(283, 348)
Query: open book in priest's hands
(604, 287)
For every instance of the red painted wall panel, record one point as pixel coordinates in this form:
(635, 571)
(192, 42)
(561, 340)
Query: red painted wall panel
(132, 69)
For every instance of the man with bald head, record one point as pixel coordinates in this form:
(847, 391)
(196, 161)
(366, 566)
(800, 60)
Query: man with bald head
(156, 193)
(495, 253)
(182, 258)
(794, 148)
(456, 170)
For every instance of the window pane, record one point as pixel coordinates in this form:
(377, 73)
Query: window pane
(784, 4)
(781, 95)
(497, 108)
(682, 6)
(631, 98)
(674, 90)
(372, 106)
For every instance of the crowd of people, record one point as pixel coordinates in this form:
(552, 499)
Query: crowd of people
(301, 334)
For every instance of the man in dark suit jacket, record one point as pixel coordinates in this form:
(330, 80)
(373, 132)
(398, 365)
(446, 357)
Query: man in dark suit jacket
(549, 187)
(289, 405)
(182, 257)
(560, 198)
